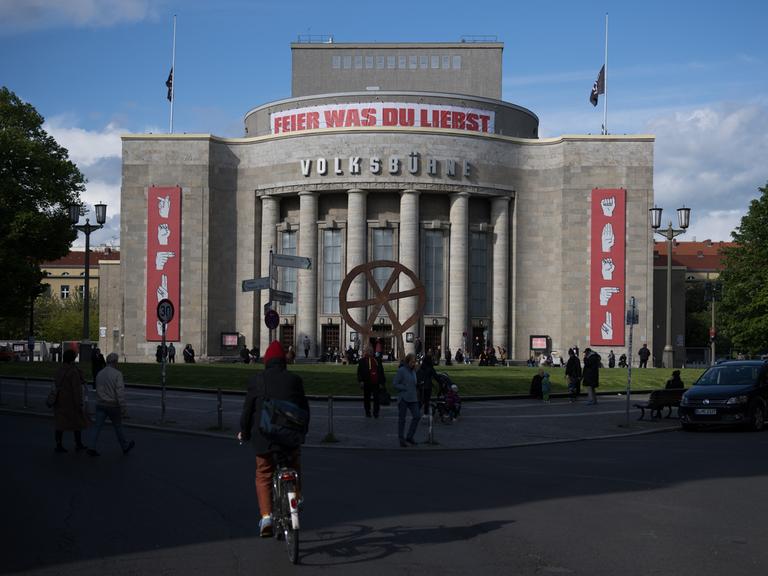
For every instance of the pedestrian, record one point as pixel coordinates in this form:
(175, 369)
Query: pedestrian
(407, 399)
(245, 354)
(307, 346)
(448, 361)
(97, 363)
(611, 359)
(274, 382)
(546, 386)
(573, 374)
(591, 374)
(675, 381)
(644, 354)
(536, 384)
(159, 353)
(189, 354)
(110, 403)
(68, 410)
(424, 377)
(171, 353)
(370, 375)
(418, 346)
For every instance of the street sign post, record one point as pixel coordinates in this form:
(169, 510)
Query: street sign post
(165, 313)
(280, 296)
(256, 284)
(287, 261)
(272, 319)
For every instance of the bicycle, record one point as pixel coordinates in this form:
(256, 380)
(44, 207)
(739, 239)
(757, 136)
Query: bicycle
(285, 505)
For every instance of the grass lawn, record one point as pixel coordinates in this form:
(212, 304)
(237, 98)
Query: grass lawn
(338, 380)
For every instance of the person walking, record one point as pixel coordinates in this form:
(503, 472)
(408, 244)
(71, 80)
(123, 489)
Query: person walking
(110, 403)
(97, 363)
(171, 353)
(644, 354)
(424, 377)
(591, 373)
(189, 354)
(275, 382)
(68, 410)
(370, 375)
(307, 346)
(611, 359)
(407, 399)
(573, 374)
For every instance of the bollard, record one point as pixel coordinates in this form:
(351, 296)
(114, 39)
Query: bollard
(329, 437)
(26, 385)
(219, 408)
(431, 434)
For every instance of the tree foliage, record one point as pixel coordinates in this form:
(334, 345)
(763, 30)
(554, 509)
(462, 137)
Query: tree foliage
(37, 183)
(744, 308)
(61, 319)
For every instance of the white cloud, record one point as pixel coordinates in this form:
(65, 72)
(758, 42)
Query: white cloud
(85, 147)
(714, 225)
(19, 15)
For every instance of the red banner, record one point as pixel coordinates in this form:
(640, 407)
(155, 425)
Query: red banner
(163, 259)
(608, 267)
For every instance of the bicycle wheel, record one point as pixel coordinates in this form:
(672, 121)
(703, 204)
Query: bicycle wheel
(291, 533)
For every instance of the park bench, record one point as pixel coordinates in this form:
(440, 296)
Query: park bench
(660, 399)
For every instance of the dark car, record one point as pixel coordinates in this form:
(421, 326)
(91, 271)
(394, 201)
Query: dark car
(729, 393)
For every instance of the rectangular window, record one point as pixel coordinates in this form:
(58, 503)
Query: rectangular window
(402, 62)
(391, 61)
(369, 62)
(478, 274)
(287, 276)
(413, 62)
(457, 62)
(347, 62)
(383, 248)
(446, 62)
(359, 62)
(331, 270)
(423, 62)
(64, 292)
(336, 62)
(380, 62)
(434, 271)
(435, 62)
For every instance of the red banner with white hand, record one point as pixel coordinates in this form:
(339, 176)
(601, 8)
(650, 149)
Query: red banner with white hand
(163, 259)
(608, 267)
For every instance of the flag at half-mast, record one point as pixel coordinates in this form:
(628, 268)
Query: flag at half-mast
(169, 84)
(598, 87)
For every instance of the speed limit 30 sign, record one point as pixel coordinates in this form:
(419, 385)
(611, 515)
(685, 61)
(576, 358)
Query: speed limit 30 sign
(165, 311)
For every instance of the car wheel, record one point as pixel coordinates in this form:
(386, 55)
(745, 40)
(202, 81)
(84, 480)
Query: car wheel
(757, 419)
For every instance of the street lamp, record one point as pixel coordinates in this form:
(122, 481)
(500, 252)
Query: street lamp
(684, 219)
(87, 228)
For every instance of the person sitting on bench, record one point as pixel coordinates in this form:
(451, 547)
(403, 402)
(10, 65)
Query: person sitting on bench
(675, 381)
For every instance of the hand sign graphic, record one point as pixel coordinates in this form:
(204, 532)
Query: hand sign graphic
(605, 294)
(606, 330)
(607, 238)
(608, 205)
(164, 206)
(161, 258)
(163, 232)
(162, 290)
(607, 268)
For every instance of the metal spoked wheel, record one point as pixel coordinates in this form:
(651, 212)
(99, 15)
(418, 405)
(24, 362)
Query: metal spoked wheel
(291, 535)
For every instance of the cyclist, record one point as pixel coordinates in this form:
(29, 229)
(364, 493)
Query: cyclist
(275, 382)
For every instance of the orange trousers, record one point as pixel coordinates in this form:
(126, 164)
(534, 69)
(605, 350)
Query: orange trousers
(265, 467)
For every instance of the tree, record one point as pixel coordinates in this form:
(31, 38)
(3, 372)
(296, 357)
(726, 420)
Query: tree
(37, 183)
(61, 319)
(744, 309)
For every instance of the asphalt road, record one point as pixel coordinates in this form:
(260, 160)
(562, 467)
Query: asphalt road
(670, 503)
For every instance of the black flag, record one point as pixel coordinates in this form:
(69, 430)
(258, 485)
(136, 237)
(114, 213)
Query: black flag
(598, 87)
(169, 84)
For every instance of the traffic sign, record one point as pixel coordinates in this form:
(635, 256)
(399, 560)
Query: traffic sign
(165, 311)
(256, 284)
(272, 319)
(280, 296)
(287, 261)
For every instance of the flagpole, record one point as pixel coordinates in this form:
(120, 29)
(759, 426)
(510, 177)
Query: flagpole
(605, 96)
(173, 72)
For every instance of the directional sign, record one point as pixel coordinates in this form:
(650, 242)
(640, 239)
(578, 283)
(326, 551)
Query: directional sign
(280, 296)
(256, 284)
(272, 319)
(165, 310)
(287, 261)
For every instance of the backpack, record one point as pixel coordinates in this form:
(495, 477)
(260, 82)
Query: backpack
(283, 422)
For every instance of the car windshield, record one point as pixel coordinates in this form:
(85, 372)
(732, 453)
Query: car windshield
(729, 376)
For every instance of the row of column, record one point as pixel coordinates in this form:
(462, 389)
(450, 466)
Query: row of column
(357, 253)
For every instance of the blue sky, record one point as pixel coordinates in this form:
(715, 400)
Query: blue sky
(694, 74)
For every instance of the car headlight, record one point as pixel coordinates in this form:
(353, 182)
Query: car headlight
(684, 401)
(743, 399)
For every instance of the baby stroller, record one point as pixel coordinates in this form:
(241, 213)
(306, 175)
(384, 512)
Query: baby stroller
(439, 406)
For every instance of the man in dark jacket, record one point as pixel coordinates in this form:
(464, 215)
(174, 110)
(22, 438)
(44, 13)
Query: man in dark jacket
(277, 383)
(424, 377)
(644, 354)
(591, 373)
(370, 375)
(573, 374)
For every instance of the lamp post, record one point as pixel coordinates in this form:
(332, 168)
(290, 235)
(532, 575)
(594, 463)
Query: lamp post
(87, 228)
(684, 218)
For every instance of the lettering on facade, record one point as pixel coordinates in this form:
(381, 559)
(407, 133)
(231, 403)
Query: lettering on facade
(393, 165)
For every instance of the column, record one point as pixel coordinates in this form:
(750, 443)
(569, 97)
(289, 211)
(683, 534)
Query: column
(247, 259)
(270, 217)
(306, 304)
(458, 271)
(408, 251)
(357, 251)
(500, 273)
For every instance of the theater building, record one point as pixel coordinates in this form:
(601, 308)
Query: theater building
(401, 152)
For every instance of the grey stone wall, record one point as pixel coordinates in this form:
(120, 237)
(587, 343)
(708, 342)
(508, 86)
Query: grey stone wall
(110, 306)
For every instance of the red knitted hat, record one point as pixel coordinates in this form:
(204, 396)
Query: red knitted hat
(275, 350)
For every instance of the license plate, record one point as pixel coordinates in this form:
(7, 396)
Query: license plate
(705, 411)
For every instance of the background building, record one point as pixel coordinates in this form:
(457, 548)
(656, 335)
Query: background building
(66, 276)
(399, 152)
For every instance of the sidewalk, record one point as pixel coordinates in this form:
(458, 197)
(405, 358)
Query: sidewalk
(483, 424)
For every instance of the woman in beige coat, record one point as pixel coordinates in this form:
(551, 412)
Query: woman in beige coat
(68, 410)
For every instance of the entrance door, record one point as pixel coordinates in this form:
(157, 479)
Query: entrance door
(478, 340)
(382, 331)
(433, 340)
(330, 339)
(286, 336)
